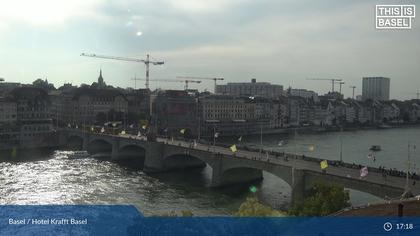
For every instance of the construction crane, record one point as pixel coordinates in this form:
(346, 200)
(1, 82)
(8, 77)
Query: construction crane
(353, 88)
(186, 81)
(202, 78)
(333, 81)
(147, 62)
(340, 83)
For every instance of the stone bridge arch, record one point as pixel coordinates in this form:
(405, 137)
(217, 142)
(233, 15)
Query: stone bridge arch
(75, 142)
(133, 155)
(180, 161)
(99, 146)
(226, 170)
(234, 168)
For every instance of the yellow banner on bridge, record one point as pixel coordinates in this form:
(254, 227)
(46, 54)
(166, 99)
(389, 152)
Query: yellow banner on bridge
(324, 164)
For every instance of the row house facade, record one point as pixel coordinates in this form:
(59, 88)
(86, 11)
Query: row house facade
(88, 106)
(35, 128)
(414, 114)
(331, 112)
(94, 106)
(233, 115)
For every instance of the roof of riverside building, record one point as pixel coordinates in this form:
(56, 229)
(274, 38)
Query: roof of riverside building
(410, 207)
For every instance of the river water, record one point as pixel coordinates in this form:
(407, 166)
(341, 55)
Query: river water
(56, 179)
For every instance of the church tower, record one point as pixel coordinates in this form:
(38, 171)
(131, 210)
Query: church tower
(101, 82)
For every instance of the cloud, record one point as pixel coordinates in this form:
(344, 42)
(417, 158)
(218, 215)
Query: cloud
(204, 6)
(45, 12)
(280, 41)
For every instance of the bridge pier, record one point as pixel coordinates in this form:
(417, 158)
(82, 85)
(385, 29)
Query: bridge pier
(62, 139)
(115, 148)
(85, 142)
(298, 185)
(154, 161)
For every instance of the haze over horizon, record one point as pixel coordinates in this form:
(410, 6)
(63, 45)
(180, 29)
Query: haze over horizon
(277, 41)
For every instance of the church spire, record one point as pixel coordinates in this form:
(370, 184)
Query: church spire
(100, 78)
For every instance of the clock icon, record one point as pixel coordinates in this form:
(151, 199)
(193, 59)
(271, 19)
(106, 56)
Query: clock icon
(387, 226)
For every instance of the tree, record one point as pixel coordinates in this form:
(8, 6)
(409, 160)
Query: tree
(323, 199)
(67, 86)
(94, 85)
(43, 84)
(252, 208)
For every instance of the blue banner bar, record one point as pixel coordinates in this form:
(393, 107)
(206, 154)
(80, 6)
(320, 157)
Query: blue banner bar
(127, 220)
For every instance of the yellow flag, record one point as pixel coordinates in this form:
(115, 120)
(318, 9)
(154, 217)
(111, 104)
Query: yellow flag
(233, 148)
(123, 132)
(182, 131)
(324, 164)
(144, 126)
(91, 129)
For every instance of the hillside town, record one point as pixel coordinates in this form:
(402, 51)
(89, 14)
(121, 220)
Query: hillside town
(30, 112)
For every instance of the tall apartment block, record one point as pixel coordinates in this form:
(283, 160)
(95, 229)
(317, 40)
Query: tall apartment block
(376, 88)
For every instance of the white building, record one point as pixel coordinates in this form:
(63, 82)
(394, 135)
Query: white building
(254, 88)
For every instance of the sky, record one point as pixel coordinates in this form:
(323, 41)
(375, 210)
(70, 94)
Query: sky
(277, 41)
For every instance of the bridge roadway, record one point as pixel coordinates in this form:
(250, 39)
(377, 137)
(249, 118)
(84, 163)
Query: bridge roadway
(244, 166)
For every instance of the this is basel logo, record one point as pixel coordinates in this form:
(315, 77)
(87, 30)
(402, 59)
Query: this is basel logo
(395, 16)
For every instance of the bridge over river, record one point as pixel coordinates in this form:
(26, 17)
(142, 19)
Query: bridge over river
(233, 168)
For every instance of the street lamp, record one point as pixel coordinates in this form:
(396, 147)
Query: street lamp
(214, 138)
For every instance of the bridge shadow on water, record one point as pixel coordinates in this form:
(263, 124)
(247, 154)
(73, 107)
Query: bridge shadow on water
(26, 155)
(271, 190)
(192, 177)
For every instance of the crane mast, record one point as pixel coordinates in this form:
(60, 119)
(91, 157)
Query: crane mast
(341, 84)
(215, 79)
(333, 81)
(147, 62)
(353, 88)
(186, 81)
